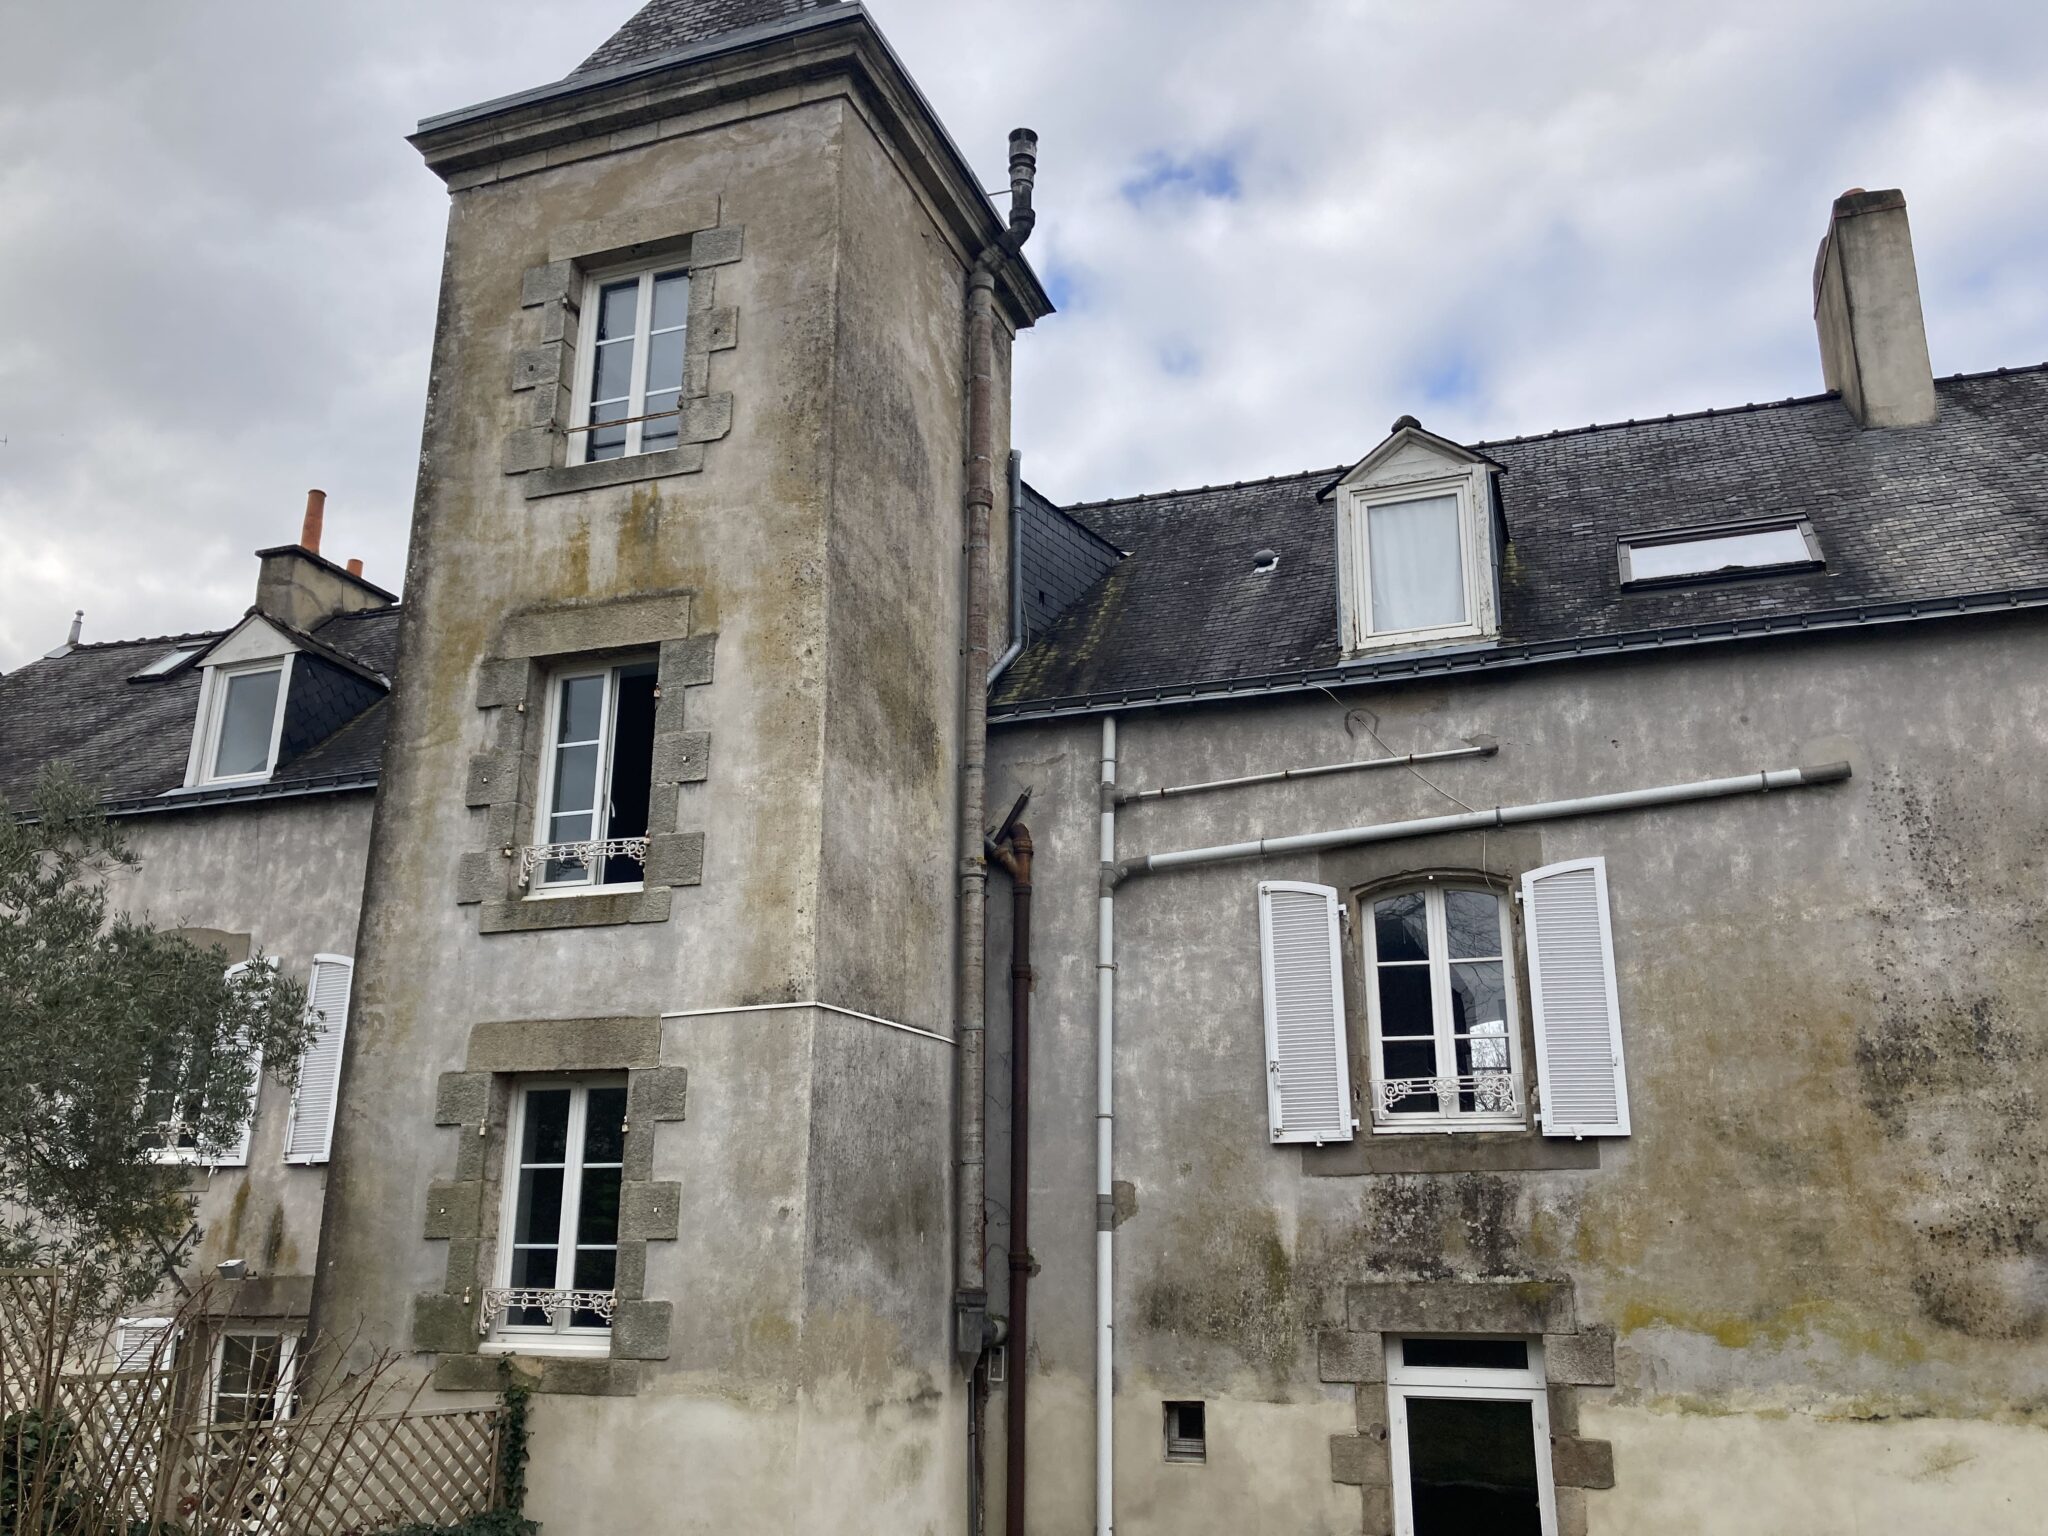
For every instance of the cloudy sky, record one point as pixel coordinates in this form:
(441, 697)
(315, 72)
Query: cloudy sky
(1271, 227)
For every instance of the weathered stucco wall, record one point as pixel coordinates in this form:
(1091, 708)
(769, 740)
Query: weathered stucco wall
(804, 1366)
(286, 877)
(1822, 1248)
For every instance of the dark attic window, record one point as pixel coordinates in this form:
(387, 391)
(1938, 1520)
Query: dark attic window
(1187, 1437)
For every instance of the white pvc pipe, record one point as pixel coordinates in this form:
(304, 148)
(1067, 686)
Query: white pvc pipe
(1499, 816)
(1105, 1150)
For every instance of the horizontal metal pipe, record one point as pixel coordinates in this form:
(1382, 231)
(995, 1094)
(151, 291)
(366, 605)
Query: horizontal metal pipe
(849, 1013)
(1406, 760)
(1499, 816)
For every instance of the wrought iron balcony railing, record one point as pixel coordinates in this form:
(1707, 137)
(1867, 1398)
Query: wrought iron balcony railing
(1489, 1093)
(593, 851)
(551, 1304)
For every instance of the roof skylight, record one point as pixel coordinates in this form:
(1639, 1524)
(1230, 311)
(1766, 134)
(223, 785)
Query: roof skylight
(166, 662)
(1710, 554)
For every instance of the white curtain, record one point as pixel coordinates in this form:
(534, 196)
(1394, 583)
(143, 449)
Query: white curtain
(1418, 580)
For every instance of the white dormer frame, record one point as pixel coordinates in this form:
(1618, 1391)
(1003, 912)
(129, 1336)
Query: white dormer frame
(1412, 465)
(253, 646)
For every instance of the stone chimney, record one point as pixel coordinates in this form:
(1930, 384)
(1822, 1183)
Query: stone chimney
(303, 589)
(1866, 306)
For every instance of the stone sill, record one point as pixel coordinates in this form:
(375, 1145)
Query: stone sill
(593, 911)
(562, 479)
(1449, 1152)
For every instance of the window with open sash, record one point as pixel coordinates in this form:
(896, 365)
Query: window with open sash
(596, 778)
(1440, 999)
(558, 1260)
(630, 383)
(1468, 1426)
(174, 1106)
(241, 720)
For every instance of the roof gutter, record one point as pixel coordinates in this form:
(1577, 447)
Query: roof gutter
(1510, 657)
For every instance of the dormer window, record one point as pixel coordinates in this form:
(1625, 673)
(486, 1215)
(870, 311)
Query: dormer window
(1416, 542)
(629, 380)
(241, 716)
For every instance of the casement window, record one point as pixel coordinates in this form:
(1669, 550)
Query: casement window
(559, 1229)
(173, 1104)
(596, 779)
(1718, 552)
(1468, 1426)
(1412, 562)
(1308, 1075)
(1446, 1045)
(253, 1377)
(629, 384)
(309, 1135)
(241, 718)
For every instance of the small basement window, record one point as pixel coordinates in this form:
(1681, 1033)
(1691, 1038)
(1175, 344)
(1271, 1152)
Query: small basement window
(1187, 1436)
(1718, 553)
(597, 778)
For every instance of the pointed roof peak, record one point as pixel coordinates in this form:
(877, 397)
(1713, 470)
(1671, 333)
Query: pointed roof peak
(664, 26)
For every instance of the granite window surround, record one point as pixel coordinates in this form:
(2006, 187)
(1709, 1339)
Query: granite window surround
(1575, 1355)
(687, 234)
(504, 779)
(462, 1209)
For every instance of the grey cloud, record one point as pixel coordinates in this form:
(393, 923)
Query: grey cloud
(1503, 217)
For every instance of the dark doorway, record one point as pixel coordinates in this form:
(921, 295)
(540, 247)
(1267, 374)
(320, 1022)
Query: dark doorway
(1472, 1467)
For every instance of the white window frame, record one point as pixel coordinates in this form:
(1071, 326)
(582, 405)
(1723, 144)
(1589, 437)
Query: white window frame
(580, 429)
(540, 888)
(558, 1337)
(220, 1157)
(213, 698)
(1385, 1122)
(1474, 1384)
(287, 1373)
(1355, 545)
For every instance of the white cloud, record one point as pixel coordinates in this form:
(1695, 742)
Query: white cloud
(1502, 217)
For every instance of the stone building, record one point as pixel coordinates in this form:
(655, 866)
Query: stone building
(1515, 1009)
(241, 765)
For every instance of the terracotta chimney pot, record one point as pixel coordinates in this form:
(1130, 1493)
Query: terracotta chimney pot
(316, 514)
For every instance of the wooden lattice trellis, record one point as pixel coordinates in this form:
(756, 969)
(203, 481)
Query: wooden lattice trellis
(30, 1301)
(314, 1477)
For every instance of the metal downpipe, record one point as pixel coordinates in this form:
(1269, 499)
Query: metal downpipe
(1105, 1147)
(1014, 854)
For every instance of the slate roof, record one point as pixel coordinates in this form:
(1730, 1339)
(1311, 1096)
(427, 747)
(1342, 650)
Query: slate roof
(133, 738)
(1943, 511)
(663, 26)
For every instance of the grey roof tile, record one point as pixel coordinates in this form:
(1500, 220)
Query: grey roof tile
(132, 738)
(663, 26)
(1952, 508)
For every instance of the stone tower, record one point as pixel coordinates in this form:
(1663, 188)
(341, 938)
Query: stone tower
(651, 1074)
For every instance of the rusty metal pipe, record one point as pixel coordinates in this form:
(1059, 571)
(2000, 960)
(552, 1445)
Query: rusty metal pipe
(1014, 855)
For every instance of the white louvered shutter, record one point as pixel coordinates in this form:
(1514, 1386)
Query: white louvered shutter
(1308, 1077)
(1571, 982)
(141, 1343)
(310, 1133)
(236, 1155)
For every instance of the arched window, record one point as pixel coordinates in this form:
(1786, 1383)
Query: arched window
(1440, 998)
